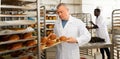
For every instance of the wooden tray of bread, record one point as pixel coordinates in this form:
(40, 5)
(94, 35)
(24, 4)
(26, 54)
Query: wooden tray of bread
(46, 47)
(51, 40)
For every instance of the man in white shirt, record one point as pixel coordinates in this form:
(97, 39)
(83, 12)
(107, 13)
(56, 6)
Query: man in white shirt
(101, 31)
(75, 31)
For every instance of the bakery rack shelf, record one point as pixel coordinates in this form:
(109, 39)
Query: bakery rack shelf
(16, 22)
(30, 54)
(13, 15)
(49, 29)
(48, 21)
(28, 0)
(8, 51)
(19, 7)
(116, 33)
(17, 15)
(15, 41)
(73, 3)
(8, 32)
(17, 2)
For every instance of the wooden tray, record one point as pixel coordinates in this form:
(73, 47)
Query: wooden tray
(51, 45)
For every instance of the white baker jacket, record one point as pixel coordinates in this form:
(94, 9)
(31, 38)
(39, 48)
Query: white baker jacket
(73, 28)
(102, 31)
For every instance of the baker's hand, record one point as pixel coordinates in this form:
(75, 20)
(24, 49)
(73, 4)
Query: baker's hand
(87, 27)
(91, 22)
(71, 40)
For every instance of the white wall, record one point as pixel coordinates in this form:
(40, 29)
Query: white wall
(51, 4)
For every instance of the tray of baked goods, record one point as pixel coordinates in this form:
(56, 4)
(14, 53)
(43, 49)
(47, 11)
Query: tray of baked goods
(19, 7)
(16, 22)
(16, 15)
(16, 30)
(51, 40)
(12, 47)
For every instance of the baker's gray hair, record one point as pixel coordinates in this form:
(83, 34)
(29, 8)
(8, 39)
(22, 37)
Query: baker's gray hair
(61, 4)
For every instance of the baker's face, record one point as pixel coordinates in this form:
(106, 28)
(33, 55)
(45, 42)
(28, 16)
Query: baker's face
(63, 13)
(96, 13)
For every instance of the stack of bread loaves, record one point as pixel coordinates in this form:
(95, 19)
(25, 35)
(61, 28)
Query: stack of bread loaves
(51, 40)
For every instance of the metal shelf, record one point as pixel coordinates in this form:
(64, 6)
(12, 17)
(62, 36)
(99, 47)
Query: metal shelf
(8, 51)
(49, 29)
(14, 10)
(28, 0)
(23, 56)
(17, 2)
(18, 15)
(115, 32)
(20, 40)
(19, 7)
(16, 22)
(8, 32)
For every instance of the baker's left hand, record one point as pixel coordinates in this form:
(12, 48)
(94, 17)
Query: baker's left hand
(71, 40)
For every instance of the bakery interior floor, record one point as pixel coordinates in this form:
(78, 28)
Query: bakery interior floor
(50, 54)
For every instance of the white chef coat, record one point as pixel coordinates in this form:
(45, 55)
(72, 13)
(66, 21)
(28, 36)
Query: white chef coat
(102, 31)
(73, 28)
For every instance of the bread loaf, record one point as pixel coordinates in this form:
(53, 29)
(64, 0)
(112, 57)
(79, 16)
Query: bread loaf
(27, 35)
(52, 36)
(16, 46)
(14, 37)
(44, 40)
(31, 43)
(63, 38)
(50, 43)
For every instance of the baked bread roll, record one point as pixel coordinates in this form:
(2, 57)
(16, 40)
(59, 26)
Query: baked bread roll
(50, 43)
(27, 35)
(44, 40)
(17, 29)
(52, 36)
(31, 43)
(16, 46)
(14, 37)
(63, 38)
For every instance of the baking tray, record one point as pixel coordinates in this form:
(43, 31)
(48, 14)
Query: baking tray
(17, 15)
(16, 22)
(28, 0)
(8, 32)
(19, 7)
(20, 40)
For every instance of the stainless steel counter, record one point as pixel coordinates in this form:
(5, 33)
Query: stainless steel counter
(98, 45)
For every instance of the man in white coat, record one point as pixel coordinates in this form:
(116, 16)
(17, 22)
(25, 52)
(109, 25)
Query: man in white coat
(101, 31)
(75, 31)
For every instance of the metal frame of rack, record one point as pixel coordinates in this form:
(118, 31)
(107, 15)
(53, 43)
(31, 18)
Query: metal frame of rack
(116, 33)
(11, 22)
(50, 14)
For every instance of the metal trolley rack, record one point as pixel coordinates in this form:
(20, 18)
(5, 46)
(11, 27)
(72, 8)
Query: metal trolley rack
(12, 17)
(116, 33)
